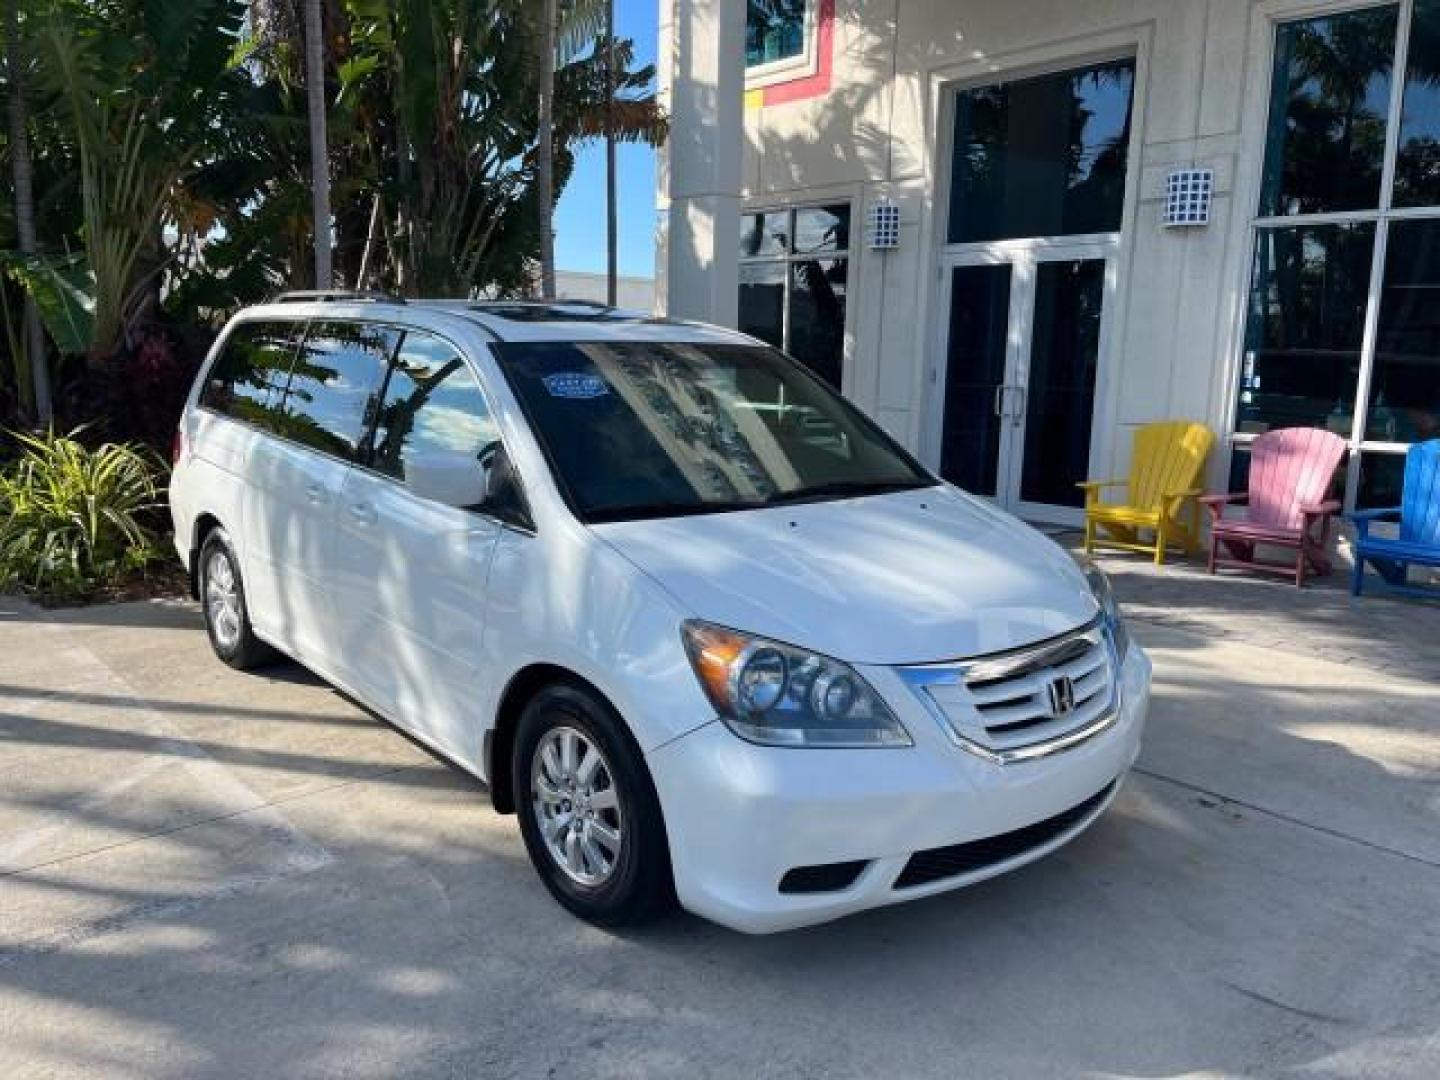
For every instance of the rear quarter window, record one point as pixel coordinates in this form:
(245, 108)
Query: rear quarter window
(248, 379)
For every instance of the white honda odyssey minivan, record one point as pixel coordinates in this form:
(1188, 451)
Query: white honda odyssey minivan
(708, 631)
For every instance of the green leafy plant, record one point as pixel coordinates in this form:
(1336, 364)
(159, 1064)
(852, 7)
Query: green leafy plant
(74, 518)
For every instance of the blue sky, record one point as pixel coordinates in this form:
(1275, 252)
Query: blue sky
(580, 214)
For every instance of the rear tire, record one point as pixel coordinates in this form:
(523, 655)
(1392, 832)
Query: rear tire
(222, 598)
(588, 810)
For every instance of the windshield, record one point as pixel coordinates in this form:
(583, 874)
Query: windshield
(646, 429)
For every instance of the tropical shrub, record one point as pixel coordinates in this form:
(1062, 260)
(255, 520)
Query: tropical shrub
(74, 519)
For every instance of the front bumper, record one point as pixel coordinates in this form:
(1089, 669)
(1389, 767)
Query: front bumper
(741, 816)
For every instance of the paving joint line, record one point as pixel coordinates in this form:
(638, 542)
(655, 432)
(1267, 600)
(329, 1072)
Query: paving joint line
(1325, 830)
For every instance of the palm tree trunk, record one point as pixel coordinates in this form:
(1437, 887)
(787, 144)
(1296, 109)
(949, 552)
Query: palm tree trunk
(545, 161)
(319, 152)
(25, 214)
(611, 215)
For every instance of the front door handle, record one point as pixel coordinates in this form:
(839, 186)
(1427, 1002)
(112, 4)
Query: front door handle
(362, 513)
(316, 492)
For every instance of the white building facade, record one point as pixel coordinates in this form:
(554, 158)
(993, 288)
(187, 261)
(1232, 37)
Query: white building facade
(1110, 212)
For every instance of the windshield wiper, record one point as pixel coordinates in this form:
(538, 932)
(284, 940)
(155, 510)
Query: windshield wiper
(842, 489)
(650, 511)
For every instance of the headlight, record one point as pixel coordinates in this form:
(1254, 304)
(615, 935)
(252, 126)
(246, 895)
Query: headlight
(1109, 610)
(777, 695)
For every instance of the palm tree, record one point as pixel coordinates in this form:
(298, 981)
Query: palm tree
(545, 150)
(319, 152)
(25, 212)
(611, 224)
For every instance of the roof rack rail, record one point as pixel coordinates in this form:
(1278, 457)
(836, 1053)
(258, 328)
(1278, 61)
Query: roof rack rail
(327, 296)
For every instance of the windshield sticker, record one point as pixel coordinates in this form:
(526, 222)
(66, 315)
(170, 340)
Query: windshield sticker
(576, 385)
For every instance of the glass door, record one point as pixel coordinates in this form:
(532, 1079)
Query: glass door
(1021, 359)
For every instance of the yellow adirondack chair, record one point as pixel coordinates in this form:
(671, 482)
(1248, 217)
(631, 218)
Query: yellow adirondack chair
(1165, 474)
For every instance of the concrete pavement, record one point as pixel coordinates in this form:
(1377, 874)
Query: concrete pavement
(209, 874)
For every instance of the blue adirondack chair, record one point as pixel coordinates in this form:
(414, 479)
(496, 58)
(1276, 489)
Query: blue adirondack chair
(1419, 541)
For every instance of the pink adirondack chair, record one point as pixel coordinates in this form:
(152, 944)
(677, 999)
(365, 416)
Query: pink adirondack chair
(1291, 471)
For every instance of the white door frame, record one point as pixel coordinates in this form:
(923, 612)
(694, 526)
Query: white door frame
(1024, 258)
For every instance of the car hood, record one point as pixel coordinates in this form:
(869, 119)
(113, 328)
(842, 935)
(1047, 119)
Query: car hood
(912, 577)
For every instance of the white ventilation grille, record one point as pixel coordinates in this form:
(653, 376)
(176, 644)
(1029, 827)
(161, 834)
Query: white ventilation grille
(1188, 193)
(883, 233)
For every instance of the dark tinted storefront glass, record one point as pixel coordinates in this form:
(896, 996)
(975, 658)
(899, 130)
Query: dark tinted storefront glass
(1043, 156)
(334, 385)
(817, 316)
(1064, 359)
(974, 372)
(433, 404)
(1417, 168)
(1405, 386)
(1329, 100)
(762, 301)
(1309, 288)
(248, 379)
(1382, 483)
(774, 30)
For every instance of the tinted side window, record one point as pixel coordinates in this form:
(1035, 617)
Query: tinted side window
(247, 380)
(433, 404)
(336, 379)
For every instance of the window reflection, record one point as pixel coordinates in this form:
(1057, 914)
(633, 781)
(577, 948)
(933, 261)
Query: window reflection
(433, 404)
(1417, 166)
(1310, 286)
(1405, 386)
(774, 30)
(333, 385)
(762, 302)
(817, 316)
(1329, 101)
(1043, 156)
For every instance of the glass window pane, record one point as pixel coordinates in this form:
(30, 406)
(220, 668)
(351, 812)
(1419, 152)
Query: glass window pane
(248, 380)
(817, 316)
(1043, 156)
(822, 229)
(762, 302)
(1417, 168)
(1309, 288)
(1329, 100)
(765, 234)
(334, 384)
(1405, 391)
(655, 429)
(433, 404)
(774, 30)
(1064, 358)
(1382, 484)
(974, 372)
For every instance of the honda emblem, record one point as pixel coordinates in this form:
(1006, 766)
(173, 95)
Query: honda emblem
(1062, 697)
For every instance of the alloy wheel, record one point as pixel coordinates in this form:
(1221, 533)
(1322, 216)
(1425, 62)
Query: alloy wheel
(577, 806)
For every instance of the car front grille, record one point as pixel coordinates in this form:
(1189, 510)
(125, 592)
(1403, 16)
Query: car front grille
(1026, 702)
(937, 864)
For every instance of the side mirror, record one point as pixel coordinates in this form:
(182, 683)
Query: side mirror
(448, 478)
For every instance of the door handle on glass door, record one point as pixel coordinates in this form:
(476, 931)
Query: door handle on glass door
(362, 513)
(1000, 400)
(1018, 416)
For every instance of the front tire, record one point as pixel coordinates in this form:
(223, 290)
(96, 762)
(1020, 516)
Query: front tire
(227, 616)
(588, 810)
